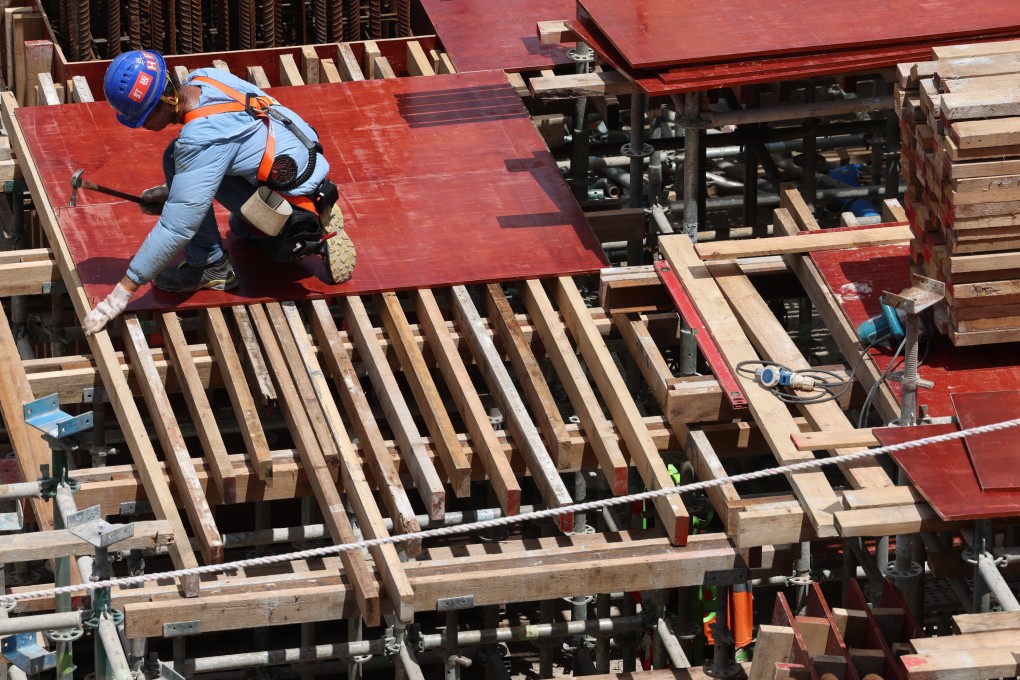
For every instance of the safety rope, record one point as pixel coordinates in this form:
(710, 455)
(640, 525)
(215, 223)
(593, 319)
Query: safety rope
(10, 599)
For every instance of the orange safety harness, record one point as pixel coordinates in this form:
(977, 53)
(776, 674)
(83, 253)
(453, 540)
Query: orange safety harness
(259, 107)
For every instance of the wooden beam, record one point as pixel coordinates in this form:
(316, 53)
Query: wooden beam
(623, 409)
(309, 445)
(979, 623)
(572, 86)
(289, 72)
(555, 33)
(198, 404)
(174, 447)
(469, 404)
(398, 415)
(426, 394)
(833, 439)
(522, 427)
(418, 63)
(328, 72)
(297, 350)
(257, 77)
(49, 544)
(310, 65)
(792, 245)
(347, 63)
(229, 365)
(156, 489)
(375, 451)
(575, 383)
(266, 391)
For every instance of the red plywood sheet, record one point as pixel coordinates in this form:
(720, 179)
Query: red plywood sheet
(657, 33)
(498, 34)
(443, 181)
(994, 455)
(943, 474)
(857, 277)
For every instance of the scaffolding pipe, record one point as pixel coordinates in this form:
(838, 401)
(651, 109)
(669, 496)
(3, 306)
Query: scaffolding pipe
(412, 670)
(275, 657)
(40, 622)
(990, 574)
(677, 658)
(470, 638)
(661, 221)
(115, 657)
(20, 490)
(798, 111)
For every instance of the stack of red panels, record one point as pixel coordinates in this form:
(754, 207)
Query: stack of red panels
(667, 46)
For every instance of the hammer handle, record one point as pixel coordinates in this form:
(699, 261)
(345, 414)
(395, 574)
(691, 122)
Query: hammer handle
(112, 192)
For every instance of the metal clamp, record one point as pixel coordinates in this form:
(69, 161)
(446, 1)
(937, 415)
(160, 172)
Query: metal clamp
(65, 634)
(581, 56)
(628, 150)
(894, 572)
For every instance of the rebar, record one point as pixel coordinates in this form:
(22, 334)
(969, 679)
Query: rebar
(246, 24)
(403, 18)
(352, 18)
(278, 38)
(319, 8)
(375, 19)
(82, 41)
(156, 23)
(196, 27)
(184, 24)
(112, 28)
(221, 16)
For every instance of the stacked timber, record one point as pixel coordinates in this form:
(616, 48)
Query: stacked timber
(960, 122)
(988, 646)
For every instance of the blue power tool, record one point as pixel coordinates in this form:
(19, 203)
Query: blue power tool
(884, 327)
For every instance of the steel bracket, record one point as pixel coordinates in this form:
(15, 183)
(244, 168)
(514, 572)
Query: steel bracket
(449, 604)
(182, 628)
(24, 651)
(727, 577)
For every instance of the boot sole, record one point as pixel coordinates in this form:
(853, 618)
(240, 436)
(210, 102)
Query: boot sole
(340, 255)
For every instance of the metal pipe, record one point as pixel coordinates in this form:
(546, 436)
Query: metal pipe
(798, 111)
(692, 152)
(661, 221)
(470, 638)
(677, 658)
(115, 657)
(40, 622)
(412, 671)
(992, 577)
(20, 490)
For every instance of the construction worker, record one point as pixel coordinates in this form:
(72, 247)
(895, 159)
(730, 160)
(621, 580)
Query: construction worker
(255, 157)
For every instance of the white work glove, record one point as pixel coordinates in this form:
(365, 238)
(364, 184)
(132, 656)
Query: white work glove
(154, 199)
(107, 310)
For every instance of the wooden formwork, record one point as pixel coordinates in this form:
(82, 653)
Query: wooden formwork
(380, 409)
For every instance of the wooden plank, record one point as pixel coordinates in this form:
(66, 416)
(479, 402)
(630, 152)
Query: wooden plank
(368, 58)
(574, 381)
(790, 245)
(310, 65)
(47, 94)
(791, 201)
(26, 27)
(982, 134)
(265, 390)
(198, 405)
(833, 439)
(707, 465)
(289, 72)
(359, 411)
(469, 405)
(844, 334)
(156, 489)
(381, 68)
(643, 454)
(962, 665)
(257, 77)
(445, 65)
(347, 63)
(772, 416)
(229, 364)
(525, 434)
(774, 644)
(220, 65)
(769, 338)
(980, 623)
(328, 72)
(33, 277)
(366, 590)
(989, 639)
(555, 33)
(398, 415)
(174, 447)
(977, 49)
(49, 544)
(298, 352)
(79, 90)
(426, 394)
(886, 497)
(418, 63)
(10, 51)
(646, 354)
(574, 85)
(529, 374)
(980, 104)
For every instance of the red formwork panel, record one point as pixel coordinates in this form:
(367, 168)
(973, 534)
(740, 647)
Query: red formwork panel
(994, 455)
(857, 277)
(658, 33)
(943, 475)
(498, 34)
(443, 181)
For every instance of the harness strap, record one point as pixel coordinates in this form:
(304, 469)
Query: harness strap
(259, 106)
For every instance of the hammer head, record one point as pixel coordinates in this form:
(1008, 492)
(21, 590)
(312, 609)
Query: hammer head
(75, 185)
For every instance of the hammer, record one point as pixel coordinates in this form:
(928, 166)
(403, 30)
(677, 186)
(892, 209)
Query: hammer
(78, 183)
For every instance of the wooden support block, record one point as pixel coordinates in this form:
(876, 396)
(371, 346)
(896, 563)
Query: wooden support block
(257, 77)
(38, 59)
(774, 645)
(221, 65)
(25, 27)
(508, 332)
(418, 63)
(892, 211)
(522, 427)
(469, 404)
(348, 64)
(80, 91)
(199, 406)
(398, 415)
(623, 409)
(12, 52)
(181, 72)
(229, 364)
(169, 433)
(359, 411)
(555, 33)
(815, 630)
(309, 445)
(289, 73)
(426, 394)
(310, 65)
(368, 57)
(572, 86)
(328, 72)
(579, 391)
(381, 68)
(829, 666)
(47, 94)
(867, 661)
(890, 620)
(445, 65)
(305, 367)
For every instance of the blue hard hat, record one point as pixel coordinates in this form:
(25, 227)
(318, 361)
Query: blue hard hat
(133, 85)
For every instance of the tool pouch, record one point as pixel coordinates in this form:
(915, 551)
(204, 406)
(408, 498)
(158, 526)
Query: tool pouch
(267, 211)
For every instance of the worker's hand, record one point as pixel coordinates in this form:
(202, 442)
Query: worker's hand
(107, 310)
(154, 199)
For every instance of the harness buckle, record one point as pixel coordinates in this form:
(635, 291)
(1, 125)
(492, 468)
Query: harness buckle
(260, 112)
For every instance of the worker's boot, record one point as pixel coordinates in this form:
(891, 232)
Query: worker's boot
(184, 278)
(336, 247)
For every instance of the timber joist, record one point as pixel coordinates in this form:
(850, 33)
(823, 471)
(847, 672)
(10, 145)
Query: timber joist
(394, 409)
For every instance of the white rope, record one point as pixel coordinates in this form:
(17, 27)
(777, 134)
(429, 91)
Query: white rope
(10, 599)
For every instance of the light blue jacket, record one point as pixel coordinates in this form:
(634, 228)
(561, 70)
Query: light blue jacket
(207, 150)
